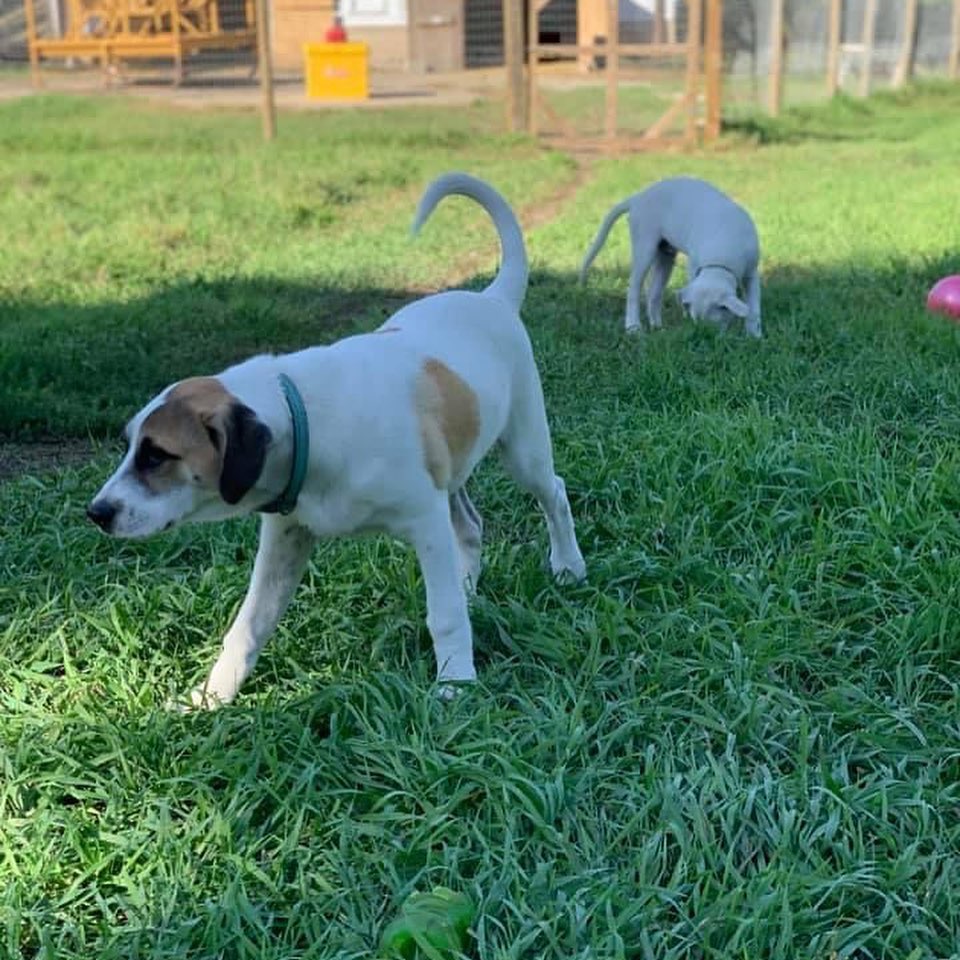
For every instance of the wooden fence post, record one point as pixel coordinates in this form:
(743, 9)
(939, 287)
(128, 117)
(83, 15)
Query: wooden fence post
(713, 68)
(694, 31)
(533, 60)
(613, 69)
(659, 21)
(953, 68)
(869, 30)
(775, 90)
(904, 68)
(265, 66)
(833, 47)
(513, 54)
(31, 23)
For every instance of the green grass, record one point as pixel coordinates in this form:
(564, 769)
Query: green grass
(737, 740)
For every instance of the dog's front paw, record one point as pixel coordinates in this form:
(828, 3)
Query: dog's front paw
(199, 698)
(447, 690)
(569, 570)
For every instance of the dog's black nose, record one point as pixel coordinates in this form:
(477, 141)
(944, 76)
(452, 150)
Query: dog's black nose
(102, 512)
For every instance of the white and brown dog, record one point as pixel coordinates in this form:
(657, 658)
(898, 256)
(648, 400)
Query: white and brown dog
(718, 237)
(377, 432)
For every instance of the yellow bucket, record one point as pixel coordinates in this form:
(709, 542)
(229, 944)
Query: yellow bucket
(337, 71)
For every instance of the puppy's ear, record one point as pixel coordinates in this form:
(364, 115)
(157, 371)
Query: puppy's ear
(735, 305)
(241, 440)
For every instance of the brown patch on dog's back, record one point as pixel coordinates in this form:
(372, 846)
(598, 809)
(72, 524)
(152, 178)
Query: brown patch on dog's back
(449, 420)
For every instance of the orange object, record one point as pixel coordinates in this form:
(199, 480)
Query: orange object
(337, 71)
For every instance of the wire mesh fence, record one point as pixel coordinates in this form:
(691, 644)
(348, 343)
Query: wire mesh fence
(877, 45)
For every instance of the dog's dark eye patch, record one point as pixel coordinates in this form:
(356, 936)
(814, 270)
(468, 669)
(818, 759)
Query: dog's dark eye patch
(150, 456)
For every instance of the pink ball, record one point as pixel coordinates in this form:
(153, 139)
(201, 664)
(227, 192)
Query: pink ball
(945, 297)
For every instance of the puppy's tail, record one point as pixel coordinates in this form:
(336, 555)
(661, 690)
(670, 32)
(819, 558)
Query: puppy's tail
(611, 218)
(510, 283)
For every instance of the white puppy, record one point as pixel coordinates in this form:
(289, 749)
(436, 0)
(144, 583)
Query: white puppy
(377, 432)
(718, 237)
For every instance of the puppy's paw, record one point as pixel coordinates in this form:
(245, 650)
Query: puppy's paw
(199, 698)
(447, 690)
(569, 571)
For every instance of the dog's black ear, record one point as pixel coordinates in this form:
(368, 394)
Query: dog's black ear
(244, 440)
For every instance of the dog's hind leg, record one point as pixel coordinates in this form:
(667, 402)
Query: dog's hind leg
(433, 538)
(528, 458)
(752, 324)
(644, 248)
(468, 527)
(282, 556)
(663, 262)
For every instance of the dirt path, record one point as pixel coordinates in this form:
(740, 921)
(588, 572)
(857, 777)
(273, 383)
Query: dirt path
(42, 456)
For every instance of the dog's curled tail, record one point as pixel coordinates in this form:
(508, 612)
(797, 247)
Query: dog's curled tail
(608, 221)
(510, 283)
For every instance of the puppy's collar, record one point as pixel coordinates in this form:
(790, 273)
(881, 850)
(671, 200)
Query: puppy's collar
(287, 501)
(716, 266)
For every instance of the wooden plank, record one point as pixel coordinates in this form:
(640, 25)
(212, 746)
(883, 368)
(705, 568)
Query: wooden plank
(655, 130)
(869, 32)
(659, 21)
(833, 46)
(562, 124)
(953, 67)
(613, 68)
(652, 50)
(713, 69)
(775, 81)
(904, 69)
(268, 106)
(591, 23)
(513, 55)
(694, 29)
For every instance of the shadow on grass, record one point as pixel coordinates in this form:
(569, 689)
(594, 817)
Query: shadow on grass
(80, 371)
(273, 829)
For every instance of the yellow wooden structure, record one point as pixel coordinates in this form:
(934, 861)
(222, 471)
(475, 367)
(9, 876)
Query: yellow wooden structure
(111, 32)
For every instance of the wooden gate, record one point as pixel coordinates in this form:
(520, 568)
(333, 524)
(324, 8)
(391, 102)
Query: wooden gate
(603, 84)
